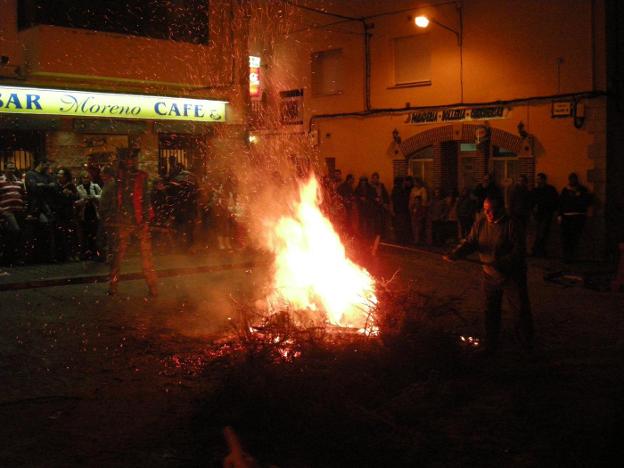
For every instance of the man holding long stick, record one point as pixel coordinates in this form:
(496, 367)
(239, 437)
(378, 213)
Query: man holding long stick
(500, 242)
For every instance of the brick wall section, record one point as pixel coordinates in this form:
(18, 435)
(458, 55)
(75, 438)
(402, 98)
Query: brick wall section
(506, 140)
(426, 138)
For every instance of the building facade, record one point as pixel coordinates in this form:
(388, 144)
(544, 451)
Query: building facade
(160, 77)
(497, 87)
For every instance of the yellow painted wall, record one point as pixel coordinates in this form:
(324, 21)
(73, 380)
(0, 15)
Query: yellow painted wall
(511, 50)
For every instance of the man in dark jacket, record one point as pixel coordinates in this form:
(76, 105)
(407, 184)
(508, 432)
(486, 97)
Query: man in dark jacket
(573, 205)
(133, 213)
(520, 201)
(544, 201)
(381, 205)
(486, 188)
(500, 242)
(346, 195)
(41, 189)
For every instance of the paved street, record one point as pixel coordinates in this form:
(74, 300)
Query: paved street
(87, 379)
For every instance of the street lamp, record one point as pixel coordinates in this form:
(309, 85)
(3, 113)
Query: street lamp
(423, 22)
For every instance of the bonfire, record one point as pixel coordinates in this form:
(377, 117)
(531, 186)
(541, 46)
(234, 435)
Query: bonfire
(313, 277)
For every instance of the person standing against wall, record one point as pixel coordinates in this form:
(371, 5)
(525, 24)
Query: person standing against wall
(466, 211)
(12, 211)
(365, 199)
(544, 202)
(419, 209)
(65, 230)
(347, 196)
(88, 215)
(520, 201)
(41, 189)
(487, 187)
(574, 202)
(106, 230)
(380, 206)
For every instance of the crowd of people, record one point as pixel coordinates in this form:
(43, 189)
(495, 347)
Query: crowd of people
(412, 213)
(48, 215)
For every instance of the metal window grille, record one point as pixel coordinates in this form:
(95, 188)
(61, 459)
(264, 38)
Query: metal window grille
(168, 158)
(23, 159)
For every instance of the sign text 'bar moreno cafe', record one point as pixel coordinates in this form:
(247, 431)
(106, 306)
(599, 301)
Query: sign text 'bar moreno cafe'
(40, 101)
(457, 115)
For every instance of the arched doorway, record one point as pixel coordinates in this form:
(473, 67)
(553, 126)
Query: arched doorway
(451, 158)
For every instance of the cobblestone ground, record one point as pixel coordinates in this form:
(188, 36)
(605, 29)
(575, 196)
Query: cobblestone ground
(88, 379)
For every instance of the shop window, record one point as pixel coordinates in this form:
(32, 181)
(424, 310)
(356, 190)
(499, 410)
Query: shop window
(327, 71)
(176, 20)
(424, 153)
(412, 60)
(421, 165)
(423, 169)
(23, 159)
(499, 152)
(174, 152)
(22, 147)
(505, 166)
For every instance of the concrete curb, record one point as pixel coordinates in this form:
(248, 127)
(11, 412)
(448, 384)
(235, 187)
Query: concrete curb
(103, 278)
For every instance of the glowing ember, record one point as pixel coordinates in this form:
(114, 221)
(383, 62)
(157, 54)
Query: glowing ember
(470, 340)
(311, 269)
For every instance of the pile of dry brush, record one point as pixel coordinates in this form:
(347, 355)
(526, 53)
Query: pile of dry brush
(327, 396)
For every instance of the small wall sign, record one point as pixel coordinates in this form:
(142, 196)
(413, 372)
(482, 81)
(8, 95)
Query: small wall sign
(561, 109)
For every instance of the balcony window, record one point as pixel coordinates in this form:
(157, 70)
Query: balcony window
(327, 72)
(412, 60)
(176, 20)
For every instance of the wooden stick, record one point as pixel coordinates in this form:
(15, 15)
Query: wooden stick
(414, 249)
(376, 243)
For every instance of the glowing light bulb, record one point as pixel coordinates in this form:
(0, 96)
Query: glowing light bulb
(421, 21)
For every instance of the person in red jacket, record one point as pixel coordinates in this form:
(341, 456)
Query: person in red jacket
(133, 213)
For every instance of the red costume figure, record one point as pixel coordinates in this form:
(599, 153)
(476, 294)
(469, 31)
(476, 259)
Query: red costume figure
(133, 212)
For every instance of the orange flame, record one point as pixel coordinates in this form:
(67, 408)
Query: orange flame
(312, 271)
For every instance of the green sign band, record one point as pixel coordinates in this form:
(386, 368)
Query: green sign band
(39, 101)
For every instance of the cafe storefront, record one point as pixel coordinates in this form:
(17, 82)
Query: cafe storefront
(80, 128)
